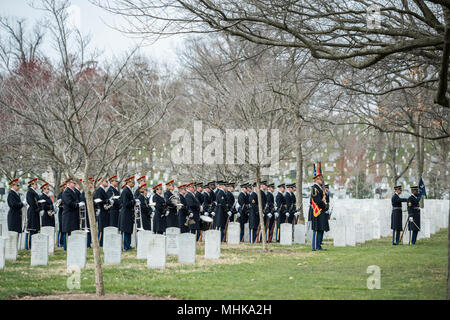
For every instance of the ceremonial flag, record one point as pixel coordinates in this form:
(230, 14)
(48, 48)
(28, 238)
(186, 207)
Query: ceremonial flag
(316, 209)
(422, 190)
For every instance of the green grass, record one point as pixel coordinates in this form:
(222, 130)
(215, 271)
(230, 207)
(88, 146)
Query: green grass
(245, 272)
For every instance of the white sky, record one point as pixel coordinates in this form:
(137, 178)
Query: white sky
(91, 21)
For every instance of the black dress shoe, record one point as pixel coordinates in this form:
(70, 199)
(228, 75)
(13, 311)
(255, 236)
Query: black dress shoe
(322, 249)
(314, 250)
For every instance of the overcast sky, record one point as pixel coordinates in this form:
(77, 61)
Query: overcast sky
(94, 21)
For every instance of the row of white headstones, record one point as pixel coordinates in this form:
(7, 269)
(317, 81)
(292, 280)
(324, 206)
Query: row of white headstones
(352, 222)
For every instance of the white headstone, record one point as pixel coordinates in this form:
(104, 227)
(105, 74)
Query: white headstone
(246, 232)
(405, 239)
(80, 233)
(309, 234)
(376, 229)
(76, 251)
(299, 233)
(156, 258)
(39, 250)
(359, 233)
(49, 231)
(425, 228)
(11, 246)
(350, 234)
(212, 244)
(109, 230)
(112, 248)
(286, 234)
(143, 239)
(134, 237)
(171, 240)
(233, 233)
(22, 239)
(339, 235)
(186, 248)
(3, 241)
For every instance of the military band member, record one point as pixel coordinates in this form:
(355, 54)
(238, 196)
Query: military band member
(396, 216)
(193, 207)
(289, 204)
(270, 212)
(15, 205)
(101, 200)
(62, 187)
(33, 218)
(413, 215)
(280, 214)
(208, 205)
(183, 212)
(46, 206)
(70, 217)
(126, 215)
(242, 209)
(114, 193)
(146, 211)
(159, 217)
(221, 213)
(230, 200)
(319, 221)
(199, 194)
(171, 218)
(253, 217)
(263, 189)
(140, 181)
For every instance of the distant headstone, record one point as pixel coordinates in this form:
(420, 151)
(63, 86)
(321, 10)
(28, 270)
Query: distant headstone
(156, 258)
(406, 236)
(76, 251)
(299, 233)
(212, 244)
(108, 230)
(49, 231)
(286, 234)
(233, 233)
(171, 240)
(134, 237)
(112, 248)
(339, 235)
(143, 239)
(21, 240)
(246, 232)
(186, 248)
(80, 233)
(39, 250)
(359, 233)
(350, 234)
(11, 246)
(425, 228)
(2, 252)
(376, 229)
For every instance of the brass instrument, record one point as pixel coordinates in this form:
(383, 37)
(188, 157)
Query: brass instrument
(83, 218)
(110, 203)
(138, 215)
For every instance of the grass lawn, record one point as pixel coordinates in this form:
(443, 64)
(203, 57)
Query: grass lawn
(245, 272)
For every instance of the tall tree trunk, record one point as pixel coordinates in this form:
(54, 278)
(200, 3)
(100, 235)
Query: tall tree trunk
(99, 288)
(420, 156)
(260, 208)
(299, 173)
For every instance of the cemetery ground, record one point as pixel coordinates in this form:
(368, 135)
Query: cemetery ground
(245, 272)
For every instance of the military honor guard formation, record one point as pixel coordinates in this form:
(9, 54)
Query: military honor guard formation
(194, 207)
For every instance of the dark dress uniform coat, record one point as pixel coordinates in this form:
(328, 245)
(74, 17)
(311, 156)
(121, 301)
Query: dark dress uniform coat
(70, 216)
(183, 212)
(15, 212)
(103, 217)
(319, 223)
(159, 218)
(281, 208)
(414, 212)
(126, 216)
(396, 216)
(193, 207)
(253, 217)
(60, 212)
(33, 218)
(146, 212)
(114, 210)
(230, 204)
(244, 201)
(47, 221)
(270, 208)
(221, 209)
(171, 219)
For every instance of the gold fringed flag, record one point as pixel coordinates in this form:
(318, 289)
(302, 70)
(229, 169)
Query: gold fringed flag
(316, 210)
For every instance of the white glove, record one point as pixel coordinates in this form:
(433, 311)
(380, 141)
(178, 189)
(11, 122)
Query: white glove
(191, 215)
(81, 204)
(229, 213)
(111, 201)
(167, 212)
(213, 213)
(25, 203)
(41, 213)
(287, 214)
(237, 206)
(276, 214)
(201, 208)
(411, 219)
(137, 201)
(238, 214)
(296, 214)
(269, 215)
(206, 213)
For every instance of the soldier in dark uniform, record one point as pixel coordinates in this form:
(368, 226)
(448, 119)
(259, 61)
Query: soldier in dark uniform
(33, 218)
(319, 220)
(159, 217)
(396, 216)
(262, 190)
(70, 217)
(208, 206)
(140, 181)
(171, 217)
(60, 212)
(114, 194)
(289, 203)
(145, 208)
(413, 215)
(253, 217)
(270, 219)
(183, 212)
(126, 215)
(101, 201)
(280, 213)
(222, 214)
(243, 208)
(231, 200)
(15, 205)
(193, 207)
(46, 205)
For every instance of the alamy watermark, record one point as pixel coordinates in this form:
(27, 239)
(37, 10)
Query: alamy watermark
(74, 280)
(374, 281)
(213, 147)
